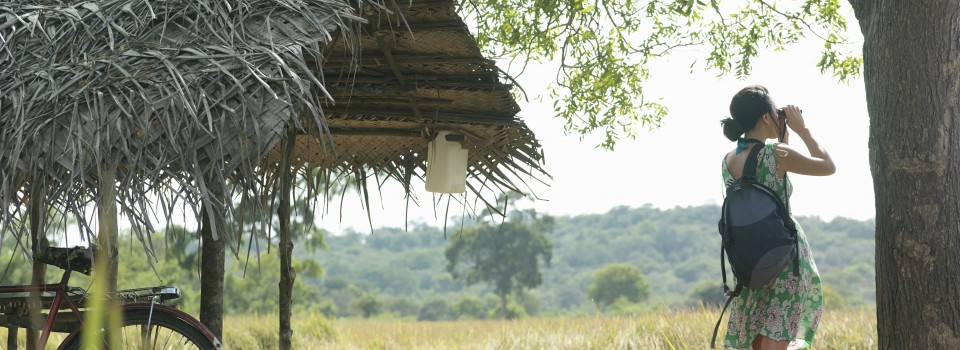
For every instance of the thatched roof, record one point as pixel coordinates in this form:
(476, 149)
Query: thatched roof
(184, 96)
(418, 72)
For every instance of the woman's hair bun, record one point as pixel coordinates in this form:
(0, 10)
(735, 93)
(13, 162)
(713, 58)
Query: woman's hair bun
(731, 129)
(746, 109)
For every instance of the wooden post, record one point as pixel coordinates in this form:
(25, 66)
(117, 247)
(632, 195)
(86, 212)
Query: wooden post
(12, 337)
(287, 274)
(212, 266)
(102, 313)
(38, 241)
(108, 234)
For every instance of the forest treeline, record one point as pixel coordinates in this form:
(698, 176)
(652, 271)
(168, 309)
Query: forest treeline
(676, 249)
(393, 272)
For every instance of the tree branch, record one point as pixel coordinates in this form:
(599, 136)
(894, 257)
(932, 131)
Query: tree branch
(801, 20)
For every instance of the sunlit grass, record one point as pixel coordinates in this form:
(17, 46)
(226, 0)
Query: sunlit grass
(52, 343)
(676, 329)
(663, 329)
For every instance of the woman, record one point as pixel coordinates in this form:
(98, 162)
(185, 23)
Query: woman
(784, 313)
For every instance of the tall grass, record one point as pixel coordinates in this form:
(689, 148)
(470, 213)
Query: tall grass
(664, 329)
(661, 329)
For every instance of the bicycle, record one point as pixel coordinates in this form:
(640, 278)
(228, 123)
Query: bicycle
(148, 323)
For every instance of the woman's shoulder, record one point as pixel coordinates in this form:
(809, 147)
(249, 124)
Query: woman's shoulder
(778, 149)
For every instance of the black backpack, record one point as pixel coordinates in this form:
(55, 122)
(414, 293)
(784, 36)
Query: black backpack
(757, 233)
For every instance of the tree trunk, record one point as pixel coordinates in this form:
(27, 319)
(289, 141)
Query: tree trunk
(212, 250)
(911, 65)
(287, 274)
(38, 241)
(108, 231)
(107, 261)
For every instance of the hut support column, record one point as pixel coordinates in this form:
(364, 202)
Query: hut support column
(106, 261)
(212, 251)
(38, 240)
(108, 234)
(287, 274)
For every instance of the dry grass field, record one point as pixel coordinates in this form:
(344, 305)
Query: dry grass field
(685, 329)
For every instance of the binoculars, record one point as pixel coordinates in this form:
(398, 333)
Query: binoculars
(782, 113)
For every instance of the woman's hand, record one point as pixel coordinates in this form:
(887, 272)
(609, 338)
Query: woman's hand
(818, 163)
(795, 118)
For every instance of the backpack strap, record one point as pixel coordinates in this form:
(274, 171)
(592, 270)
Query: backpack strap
(750, 167)
(730, 294)
(793, 226)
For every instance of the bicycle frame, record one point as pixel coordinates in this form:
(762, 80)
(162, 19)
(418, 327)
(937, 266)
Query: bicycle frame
(133, 301)
(60, 296)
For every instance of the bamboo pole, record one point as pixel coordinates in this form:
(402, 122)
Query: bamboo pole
(287, 274)
(103, 312)
(212, 257)
(108, 233)
(38, 241)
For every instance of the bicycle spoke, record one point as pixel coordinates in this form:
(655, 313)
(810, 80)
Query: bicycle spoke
(165, 332)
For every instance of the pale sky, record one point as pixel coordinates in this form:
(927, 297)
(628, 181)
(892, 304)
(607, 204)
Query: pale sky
(679, 163)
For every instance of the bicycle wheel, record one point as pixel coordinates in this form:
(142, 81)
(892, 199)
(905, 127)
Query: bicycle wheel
(166, 331)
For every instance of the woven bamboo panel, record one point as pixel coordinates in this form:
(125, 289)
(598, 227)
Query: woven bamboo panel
(416, 77)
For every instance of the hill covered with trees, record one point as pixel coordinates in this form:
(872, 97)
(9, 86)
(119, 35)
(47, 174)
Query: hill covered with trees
(677, 251)
(403, 273)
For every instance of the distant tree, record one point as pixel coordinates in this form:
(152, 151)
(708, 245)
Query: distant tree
(470, 307)
(271, 216)
(623, 306)
(613, 281)
(368, 303)
(513, 311)
(254, 287)
(833, 299)
(182, 247)
(402, 306)
(435, 309)
(507, 256)
(708, 293)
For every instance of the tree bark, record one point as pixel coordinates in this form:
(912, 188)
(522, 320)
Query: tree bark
(911, 66)
(212, 270)
(287, 274)
(108, 232)
(38, 241)
(107, 260)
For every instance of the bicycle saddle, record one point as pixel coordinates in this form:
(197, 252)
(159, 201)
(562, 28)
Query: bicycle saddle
(79, 259)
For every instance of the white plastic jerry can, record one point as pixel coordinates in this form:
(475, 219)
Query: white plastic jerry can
(446, 164)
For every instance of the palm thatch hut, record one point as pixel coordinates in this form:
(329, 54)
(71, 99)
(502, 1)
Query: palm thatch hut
(135, 107)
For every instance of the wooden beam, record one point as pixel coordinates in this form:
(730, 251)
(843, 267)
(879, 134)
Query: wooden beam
(440, 26)
(412, 133)
(373, 58)
(366, 99)
(429, 4)
(425, 82)
(443, 116)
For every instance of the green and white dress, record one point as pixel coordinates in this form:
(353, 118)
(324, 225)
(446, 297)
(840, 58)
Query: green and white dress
(789, 308)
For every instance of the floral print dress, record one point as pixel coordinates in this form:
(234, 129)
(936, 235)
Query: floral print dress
(789, 308)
